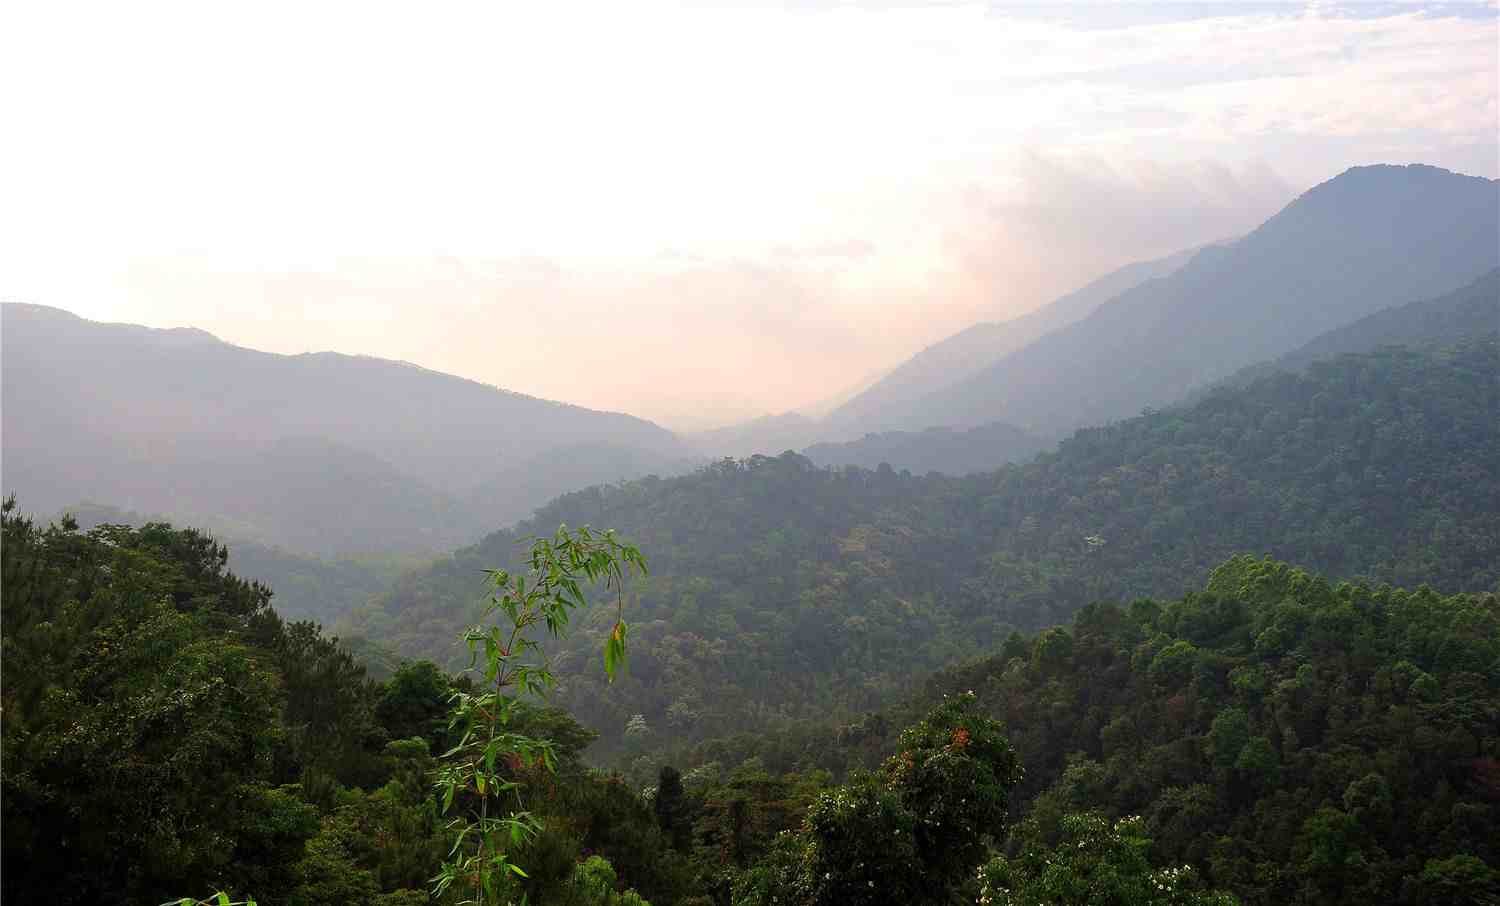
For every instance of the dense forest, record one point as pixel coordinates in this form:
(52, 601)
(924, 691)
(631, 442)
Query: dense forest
(1295, 740)
(769, 454)
(168, 734)
(783, 591)
(1269, 738)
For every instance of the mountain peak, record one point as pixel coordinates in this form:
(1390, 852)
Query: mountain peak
(1393, 182)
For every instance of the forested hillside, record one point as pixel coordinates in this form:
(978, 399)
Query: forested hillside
(155, 706)
(318, 453)
(167, 734)
(1179, 586)
(1294, 739)
(782, 590)
(1274, 736)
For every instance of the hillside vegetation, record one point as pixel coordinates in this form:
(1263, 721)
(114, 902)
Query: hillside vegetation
(1268, 738)
(781, 590)
(1294, 740)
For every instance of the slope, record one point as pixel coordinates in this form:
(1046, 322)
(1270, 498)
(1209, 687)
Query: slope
(780, 589)
(1468, 313)
(1363, 241)
(338, 452)
(1293, 738)
(886, 403)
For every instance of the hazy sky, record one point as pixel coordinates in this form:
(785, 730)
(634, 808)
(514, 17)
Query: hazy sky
(690, 214)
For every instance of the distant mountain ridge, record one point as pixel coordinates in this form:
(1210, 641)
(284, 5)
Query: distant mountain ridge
(320, 452)
(970, 350)
(878, 404)
(1367, 239)
(1469, 313)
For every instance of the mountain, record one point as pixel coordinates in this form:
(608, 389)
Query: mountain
(780, 590)
(319, 452)
(886, 403)
(1368, 239)
(876, 401)
(1468, 313)
(945, 450)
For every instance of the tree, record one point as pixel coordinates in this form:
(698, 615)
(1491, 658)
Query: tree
(1461, 880)
(913, 833)
(492, 753)
(140, 725)
(670, 806)
(414, 702)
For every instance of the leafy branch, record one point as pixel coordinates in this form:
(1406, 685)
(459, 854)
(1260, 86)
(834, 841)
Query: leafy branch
(483, 768)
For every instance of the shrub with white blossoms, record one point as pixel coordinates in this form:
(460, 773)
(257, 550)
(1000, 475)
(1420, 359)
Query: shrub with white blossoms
(1094, 863)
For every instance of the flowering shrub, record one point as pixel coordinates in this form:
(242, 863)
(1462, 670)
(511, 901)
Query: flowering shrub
(1094, 864)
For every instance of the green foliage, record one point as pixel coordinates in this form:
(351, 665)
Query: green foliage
(1460, 880)
(781, 592)
(141, 712)
(1095, 863)
(594, 883)
(166, 730)
(911, 834)
(1328, 769)
(414, 702)
(482, 769)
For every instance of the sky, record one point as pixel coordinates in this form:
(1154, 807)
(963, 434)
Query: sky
(693, 214)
